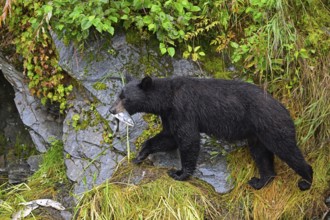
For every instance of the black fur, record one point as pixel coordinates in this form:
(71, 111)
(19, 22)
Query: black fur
(227, 109)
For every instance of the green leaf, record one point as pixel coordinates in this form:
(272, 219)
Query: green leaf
(48, 8)
(162, 48)
(147, 19)
(201, 53)
(111, 30)
(195, 8)
(62, 105)
(60, 89)
(186, 54)
(197, 48)
(59, 26)
(85, 24)
(114, 19)
(179, 8)
(155, 9)
(304, 53)
(50, 95)
(171, 51)
(126, 10)
(234, 44)
(44, 100)
(152, 27)
(124, 17)
(91, 18)
(189, 48)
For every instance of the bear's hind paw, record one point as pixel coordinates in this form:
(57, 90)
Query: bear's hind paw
(257, 183)
(178, 174)
(304, 185)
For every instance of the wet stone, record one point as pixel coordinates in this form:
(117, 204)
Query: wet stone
(18, 172)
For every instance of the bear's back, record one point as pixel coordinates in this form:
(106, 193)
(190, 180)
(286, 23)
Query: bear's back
(229, 109)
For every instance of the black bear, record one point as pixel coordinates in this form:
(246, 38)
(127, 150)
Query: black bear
(226, 109)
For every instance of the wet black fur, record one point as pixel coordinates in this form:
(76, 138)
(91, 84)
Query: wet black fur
(226, 109)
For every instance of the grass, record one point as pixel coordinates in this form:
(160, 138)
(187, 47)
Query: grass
(281, 199)
(42, 184)
(160, 197)
(157, 197)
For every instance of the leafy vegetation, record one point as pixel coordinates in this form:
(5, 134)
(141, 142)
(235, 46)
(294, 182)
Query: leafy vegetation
(281, 45)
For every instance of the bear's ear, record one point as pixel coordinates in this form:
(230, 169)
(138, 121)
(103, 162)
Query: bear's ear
(146, 83)
(128, 78)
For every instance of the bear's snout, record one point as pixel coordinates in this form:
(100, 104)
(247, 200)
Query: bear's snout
(117, 107)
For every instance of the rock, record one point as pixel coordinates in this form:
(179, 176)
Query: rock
(34, 162)
(42, 125)
(212, 170)
(18, 172)
(89, 160)
(66, 215)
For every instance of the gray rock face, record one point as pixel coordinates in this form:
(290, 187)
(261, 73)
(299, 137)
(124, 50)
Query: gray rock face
(34, 162)
(106, 61)
(18, 172)
(42, 125)
(211, 169)
(90, 161)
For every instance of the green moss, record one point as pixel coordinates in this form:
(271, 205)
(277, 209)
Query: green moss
(100, 86)
(154, 127)
(216, 67)
(132, 37)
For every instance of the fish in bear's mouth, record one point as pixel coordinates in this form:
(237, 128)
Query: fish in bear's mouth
(124, 117)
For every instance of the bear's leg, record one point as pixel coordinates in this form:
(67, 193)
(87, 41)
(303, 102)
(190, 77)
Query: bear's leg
(294, 158)
(161, 142)
(189, 146)
(264, 160)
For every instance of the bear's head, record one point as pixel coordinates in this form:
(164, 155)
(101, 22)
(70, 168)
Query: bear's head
(136, 96)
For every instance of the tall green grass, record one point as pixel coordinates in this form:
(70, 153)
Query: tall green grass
(157, 197)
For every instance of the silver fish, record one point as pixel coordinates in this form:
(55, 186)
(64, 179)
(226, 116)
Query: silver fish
(125, 118)
(24, 212)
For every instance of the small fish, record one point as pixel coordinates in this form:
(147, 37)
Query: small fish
(24, 212)
(45, 203)
(125, 117)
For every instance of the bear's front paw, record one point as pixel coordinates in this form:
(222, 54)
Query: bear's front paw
(137, 161)
(257, 183)
(178, 174)
(304, 185)
(140, 157)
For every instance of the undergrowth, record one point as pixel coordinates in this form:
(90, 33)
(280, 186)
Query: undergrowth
(156, 197)
(42, 184)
